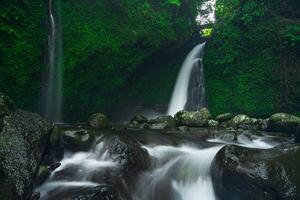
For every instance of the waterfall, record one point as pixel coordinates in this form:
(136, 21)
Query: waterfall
(53, 97)
(189, 90)
(180, 173)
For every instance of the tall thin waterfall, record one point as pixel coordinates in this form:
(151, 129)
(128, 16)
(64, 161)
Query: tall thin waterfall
(53, 97)
(189, 90)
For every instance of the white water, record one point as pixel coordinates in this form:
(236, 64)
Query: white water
(83, 166)
(180, 92)
(180, 173)
(177, 172)
(53, 97)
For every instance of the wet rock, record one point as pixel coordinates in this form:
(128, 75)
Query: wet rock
(77, 140)
(22, 144)
(43, 174)
(183, 128)
(243, 121)
(227, 137)
(194, 119)
(35, 196)
(160, 126)
(101, 192)
(162, 123)
(98, 120)
(212, 123)
(283, 122)
(224, 117)
(262, 125)
(131, 158)
(140, 119)
(55, 136)
(250, 174)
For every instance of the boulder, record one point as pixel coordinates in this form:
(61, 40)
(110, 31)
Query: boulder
(243, 121)
(162, 122)
(42, 175)
(183, 128)
(263, 124)
(101, 192)
(212, 123)
(140, 119)
(98, 120)
(194, 119)
(283, 122)
(22, 144)
(250, 174)
(131, 158)
(224, 117)
(77, 140)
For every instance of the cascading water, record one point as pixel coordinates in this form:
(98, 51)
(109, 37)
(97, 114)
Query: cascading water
(179, 172)
(189, 90)
(53, 97)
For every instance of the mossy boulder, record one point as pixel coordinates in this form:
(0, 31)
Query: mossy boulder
(22, 143)
(194, 119)
(98, 120)
(212, 123)
(139, 119)
(77, 140)
(162, 122)
(284, 122)
(243, 121)
(254, 174)
(224, 117)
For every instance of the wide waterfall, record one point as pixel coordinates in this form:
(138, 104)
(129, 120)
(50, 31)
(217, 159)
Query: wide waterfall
(53, 97)
(189, 90)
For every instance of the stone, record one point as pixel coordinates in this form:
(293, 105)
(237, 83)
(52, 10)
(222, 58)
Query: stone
(43, 174)
(283, 122)
(77, 140)
(254, 174)
(213, 123)
(98, 120)
(139, 119)
(243, 121)
(22, 143)
(224, 117)
(193, 119)
(162, 122)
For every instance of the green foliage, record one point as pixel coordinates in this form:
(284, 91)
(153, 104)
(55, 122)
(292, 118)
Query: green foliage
(21, 50)
(243, 59)
(175, 2)
(105, 42)
(206, 32)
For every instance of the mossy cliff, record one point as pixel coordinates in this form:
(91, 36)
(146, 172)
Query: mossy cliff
(252, 60)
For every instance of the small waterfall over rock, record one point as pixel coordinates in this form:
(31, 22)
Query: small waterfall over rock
(189, 90)
(53, 88)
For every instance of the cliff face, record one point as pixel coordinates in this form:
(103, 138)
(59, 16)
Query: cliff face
(252, 60)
